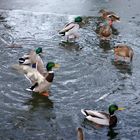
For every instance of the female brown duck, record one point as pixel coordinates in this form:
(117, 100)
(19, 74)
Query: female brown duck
(105, 14)
(123, 51)
(105, 31)
(80, 134)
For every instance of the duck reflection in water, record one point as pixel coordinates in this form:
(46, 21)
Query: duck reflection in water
(70, 46)
(123, 67)
(105, 45)
(38, 100)
(112, 134)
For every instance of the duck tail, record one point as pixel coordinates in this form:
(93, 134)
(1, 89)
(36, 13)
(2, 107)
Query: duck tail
(62, 33)
(21, 60)
(131, 58)
(84, 112)
(131, 55)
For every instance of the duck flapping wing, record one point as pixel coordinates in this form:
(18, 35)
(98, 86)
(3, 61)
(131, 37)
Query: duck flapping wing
(30, 73)
(67, 27)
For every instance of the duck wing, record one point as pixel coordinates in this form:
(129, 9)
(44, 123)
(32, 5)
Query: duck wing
(25, 59)
(40, 66)
(30, 73)
(110, 13)
(99, 121)
(67, 28)
(95, 113)
(43, 86)
(33, 58)
(97, 117)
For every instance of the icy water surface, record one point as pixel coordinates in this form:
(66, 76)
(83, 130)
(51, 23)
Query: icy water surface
(87, 73)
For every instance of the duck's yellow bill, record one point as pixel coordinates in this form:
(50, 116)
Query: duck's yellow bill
(57, 66)
(121, 108)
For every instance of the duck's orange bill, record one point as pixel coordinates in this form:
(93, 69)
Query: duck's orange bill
(121, 108)
(45, 94)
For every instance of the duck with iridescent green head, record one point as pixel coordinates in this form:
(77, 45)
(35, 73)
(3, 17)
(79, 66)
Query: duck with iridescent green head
(40, 83)
(70, 30)
(34, 60)
(102, 118)
(44, 85)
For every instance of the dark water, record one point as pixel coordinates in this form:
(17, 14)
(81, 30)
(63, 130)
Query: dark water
(87, 73)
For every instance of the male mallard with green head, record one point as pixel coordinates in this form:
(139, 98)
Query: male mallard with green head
(71, 29)
(123, 51)
(102, 118)
(44, 86)
(40, 83)
(34, 60)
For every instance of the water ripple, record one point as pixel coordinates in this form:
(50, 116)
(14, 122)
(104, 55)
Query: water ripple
(87, 73)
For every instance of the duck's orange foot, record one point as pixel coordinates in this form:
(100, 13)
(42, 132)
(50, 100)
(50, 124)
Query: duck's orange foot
(45, 94)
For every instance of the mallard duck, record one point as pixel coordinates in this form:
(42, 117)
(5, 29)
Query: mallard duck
(109, 15)
(105, 31)
(34, 60)
(102, 118)
(71, 29)
(41, 83)
(80, 135)
(123, 51)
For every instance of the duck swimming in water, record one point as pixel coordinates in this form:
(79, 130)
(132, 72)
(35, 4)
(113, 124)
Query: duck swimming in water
(102, 118)
(106, 26)
(123, 51)
(41, 83)
(105, 31)
(80, 134)
(109, 15)
(71, 30)
(34, 60)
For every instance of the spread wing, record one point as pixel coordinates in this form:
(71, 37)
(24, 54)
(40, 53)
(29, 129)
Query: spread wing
(67, 27)
(30, 73)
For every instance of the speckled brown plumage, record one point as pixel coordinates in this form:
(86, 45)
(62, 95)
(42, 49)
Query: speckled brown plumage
(123, 51)
(105, 32)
